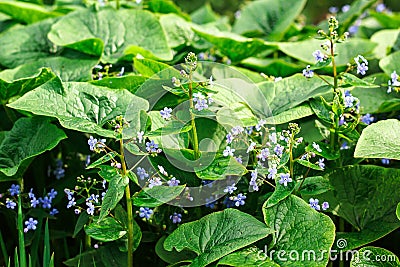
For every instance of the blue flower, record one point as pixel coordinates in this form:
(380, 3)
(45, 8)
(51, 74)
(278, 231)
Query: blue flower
(90, 209)
(344, 145)
(314, 204)
(14, 190)
(321, 163)
(363, 66)
(260, 124)
(173, 182)
(152, 147)
(239, 159)
(156, 181)
(59, 173)
(333, 9)
(229, 138)
(228, 151)
(316, 147)
(71, 203)
(210, 202)
(279, 150)
(264, 154)
(319, 56)
(176, 217)
(145, 212)
(285, 179)
(385, 161)
(94, 198)
(31, 194)
(166, 113)
(272, 172)
(46, 202)
(325, 205)
(141, 172)
(237, 130)
(345, 8)
(10, 204)
(230, 189)
(239, 200)
(94, 143)
(200, 100)
(380, 8)
(34, 202)
(69, 193)
(307, 72)
(367, 119)
(53, 212)
(30, 225)
(52, 194)
(253, 180)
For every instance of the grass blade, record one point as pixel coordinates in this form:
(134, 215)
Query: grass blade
(46, 251)
(4, 250)
(21, 237)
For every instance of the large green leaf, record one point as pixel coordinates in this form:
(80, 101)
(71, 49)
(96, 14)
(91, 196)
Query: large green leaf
(12, 88)
(82, 106)
(235, 46)
(220, 168)
(345, 51)
(69, 69)
(26, 44)
(380, 140)
(292, 91)
(366, 196)
(172, 256)
(390, 63)
(105, 230)
(297, 227)
(217, 235)
(385, 40)
(249, 257)
(110, 33)
(157, 195)
(28, 138)
(268, 17)
(26, 12)
(374, 257)
(129, 82)
(295, 113)
(115, 191)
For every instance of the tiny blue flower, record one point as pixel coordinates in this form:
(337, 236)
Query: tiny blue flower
(152, 147)
(59, 173)
(345, 8)
(362, 68)
(239, 200)
(14, 190)
(71, 203)
(176, 217)
(333, 9)
(92, 143)
(210, 202)
(273, 138)
(285, 179)
(140, 135)
(316, 147)
(141, 172)
(229, 138)
(307, 72)
(367, 119)
(156, 181)
(279, 150)
(166, 113)
(272, 172)
(239, 159)
(53, 212)
(321, 163)
(237, 130)
(173, 182)
(253, 180)
(10, 204)
(380, 8)
(344, 145)
(385, 161)
(260, 124)
(90, 209)
(325, 205)
(314, 204)
(230, 189)
(31, 194)
(228, 151)
(34, 202)
(69, 193)
(46, 202)
(145, 212)
(30, 225)
(264, 154)
(94, 198)
(251, 147)
(348, 101)
(52, 194)
(319, 56)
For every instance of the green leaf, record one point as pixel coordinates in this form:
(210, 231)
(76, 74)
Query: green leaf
(235, 46)
(366, 196)
(115, 192)
(105, 230)
(280, 193)
(315, 185)
(26, 44)
(107, 157)
(398, 211)
(355, 81)
(157, 195)
(387, 20)
(249, 257)
(149, 67)
(374, 257)
(345, 51)
(80, 223)
(128, 82)
(83, 107)
(122, 216)
(204, 15)
(134, 149)
(219, 168)
(297, 227)
(12, 88)
(278, 67)
(390, 63)
(165, 7)
(68, 69)
(380, 140)
(120, 31)
(28, 138)
(216, 235)
(385, 40)
(308, 164)
(292, 91)
(172, 127)
(172, 256)
(26, 12)
(357, 8)
(268, 17)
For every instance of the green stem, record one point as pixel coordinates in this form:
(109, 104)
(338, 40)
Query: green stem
(21, 238)
(117, 4)
(334, 138)
(335, 78)
(291, 162)
(192, 119)
(129, 208)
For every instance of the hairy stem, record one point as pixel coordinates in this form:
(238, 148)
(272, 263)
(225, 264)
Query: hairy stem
(192, 119)
(129, 208)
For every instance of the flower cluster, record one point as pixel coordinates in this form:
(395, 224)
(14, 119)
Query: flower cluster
(314, 203)
(201, 101)
(96, 145)
(393, 83)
